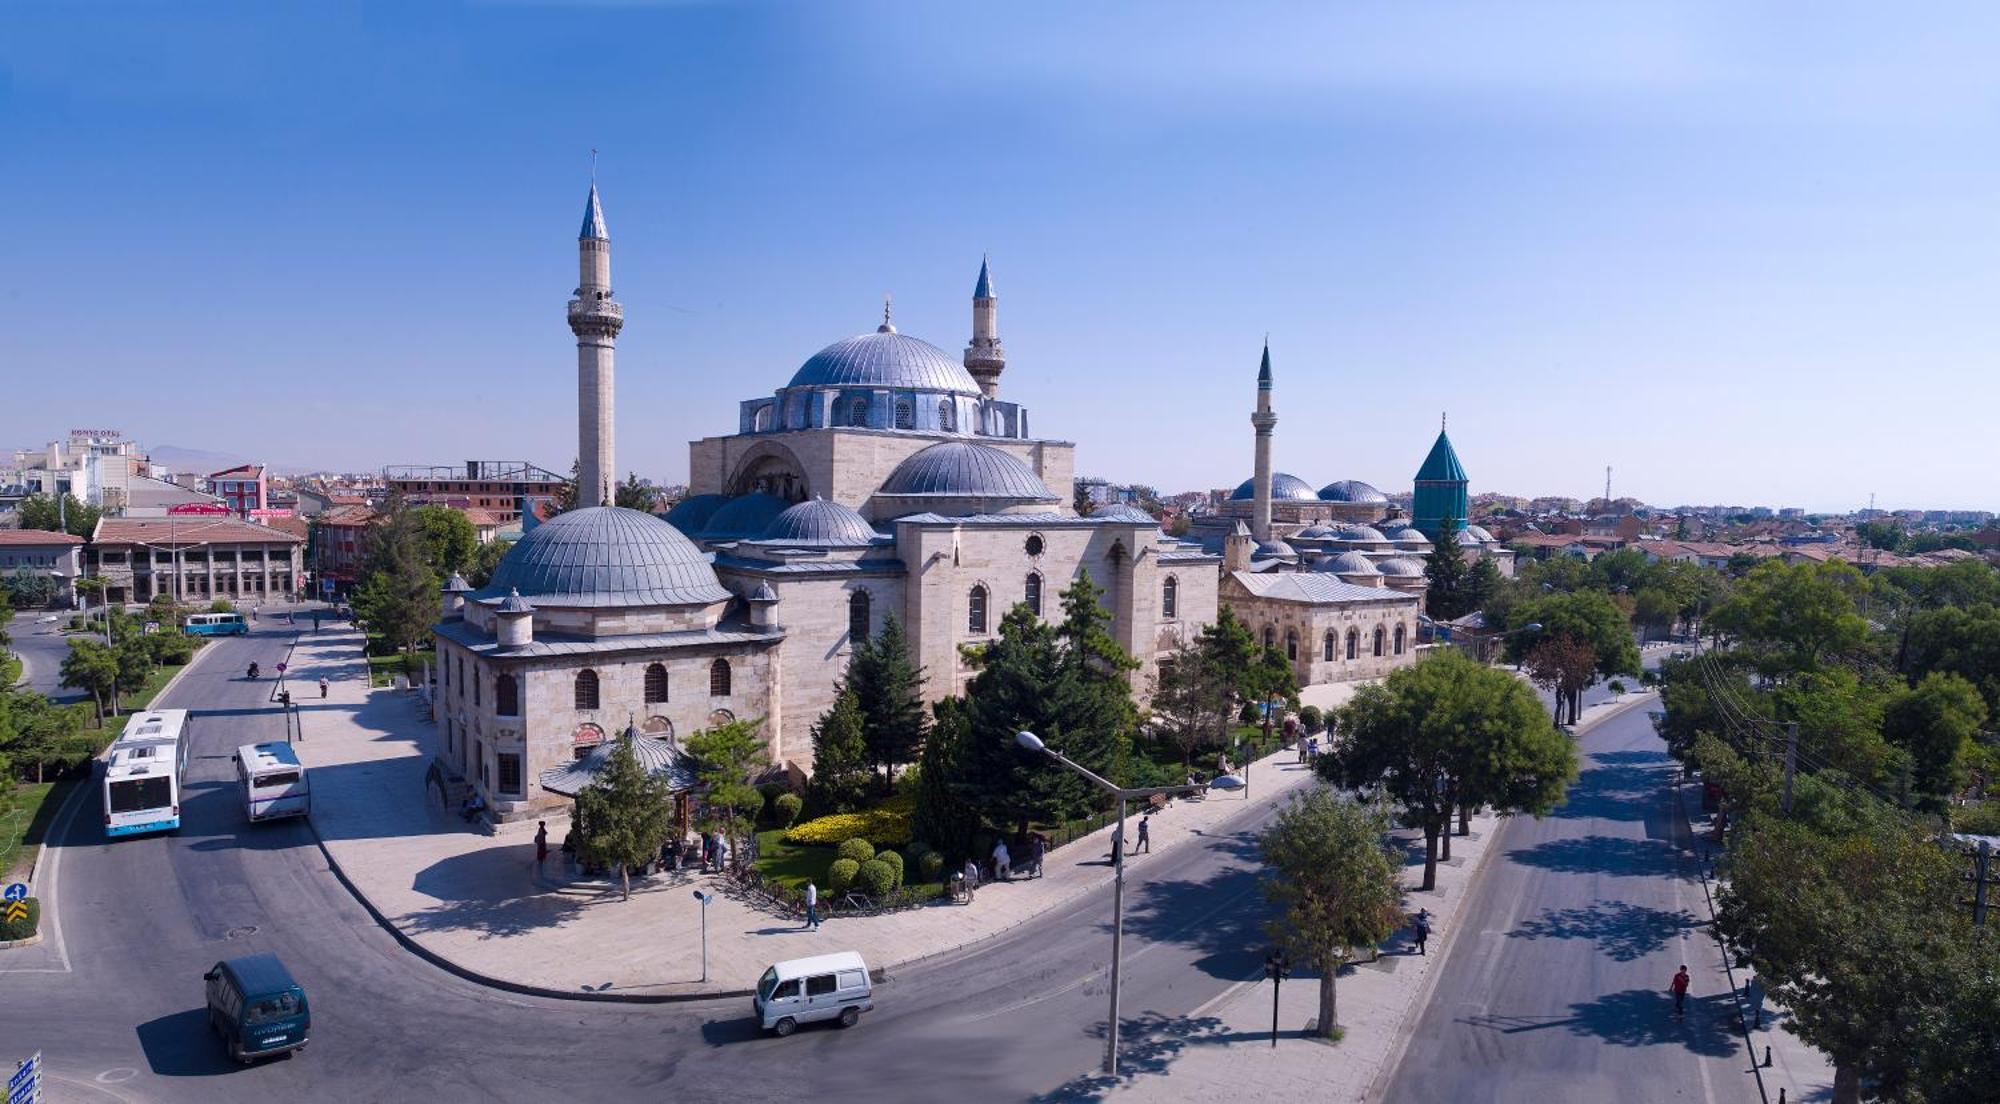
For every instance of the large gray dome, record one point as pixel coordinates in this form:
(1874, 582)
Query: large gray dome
(605, 556)
(743, 517)
(886, 359)
(1359, 534)
(691, 513)
(962, 469)
(1351, 490)
(1400, 565)
(1284, 487)
(820, 523)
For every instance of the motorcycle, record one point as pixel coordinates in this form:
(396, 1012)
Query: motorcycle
(253, 670)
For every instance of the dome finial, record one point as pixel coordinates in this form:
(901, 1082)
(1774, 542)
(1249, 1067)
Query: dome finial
(887, 326)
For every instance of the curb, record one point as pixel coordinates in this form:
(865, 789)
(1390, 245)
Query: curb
(10, 944)
(1735, 991)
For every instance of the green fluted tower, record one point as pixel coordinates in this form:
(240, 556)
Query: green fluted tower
(1441, 494)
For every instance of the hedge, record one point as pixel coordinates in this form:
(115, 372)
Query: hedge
(895, 862)
(887, 825)
(785, 809)
(858, 849)
(21, 929)
(876, 878)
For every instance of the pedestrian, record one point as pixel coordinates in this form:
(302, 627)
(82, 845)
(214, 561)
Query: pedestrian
(1420, 928)
(1041, 846)
(1753, 995)
(322, 687)
(315, 620)
(254, 610)
(1145, 836)
(1305, 749)
(971, 879)
(1003, 863)
(1680, 988)
(812, 906)
(541, 842)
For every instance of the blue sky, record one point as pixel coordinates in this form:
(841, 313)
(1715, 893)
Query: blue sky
(1741, 256)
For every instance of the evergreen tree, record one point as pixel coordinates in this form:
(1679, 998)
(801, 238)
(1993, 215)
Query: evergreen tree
(1448, 595)
(92, 667)
(943, 818)
(889, 689)
(636, 494)
(1192, 695)
(398, 594)
(726, 758)
(1482, 583)
(626, 813)
(840, 759)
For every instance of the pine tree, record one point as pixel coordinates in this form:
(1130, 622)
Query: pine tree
(943, 818)
(889, 689)
(840, 759)
(626, 813)
(398, 595)
(1446, 598)
(726, 758)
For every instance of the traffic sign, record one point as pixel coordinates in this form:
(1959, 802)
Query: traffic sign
(16, 892)
(25, 1087)
(17, 910)
(281, 668)
(326, 586)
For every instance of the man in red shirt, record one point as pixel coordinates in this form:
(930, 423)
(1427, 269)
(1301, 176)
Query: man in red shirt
(1680, 988)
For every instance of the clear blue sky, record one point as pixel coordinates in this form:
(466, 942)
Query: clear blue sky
(1740, 256)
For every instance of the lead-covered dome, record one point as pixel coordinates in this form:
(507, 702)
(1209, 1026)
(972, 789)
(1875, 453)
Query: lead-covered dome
(1351, 490)
(1360, 534)
(1285, 487)
(605, 556)
(743, 517)
(962, 469)
(886, 359)
(1400, 565)
(691, 513)
(819, 523)
(1123, 511)
(1348, 563)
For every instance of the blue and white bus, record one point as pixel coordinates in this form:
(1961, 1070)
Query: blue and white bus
(142, 774)
(215, 624)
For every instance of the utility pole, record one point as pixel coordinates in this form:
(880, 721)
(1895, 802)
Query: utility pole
(1791, 761)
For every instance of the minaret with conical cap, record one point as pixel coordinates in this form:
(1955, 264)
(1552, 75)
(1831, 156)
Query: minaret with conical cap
(595, 318)
(984, 358)
(1263, 421)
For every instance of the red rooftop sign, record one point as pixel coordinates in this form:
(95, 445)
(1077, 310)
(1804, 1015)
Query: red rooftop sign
(199, 509)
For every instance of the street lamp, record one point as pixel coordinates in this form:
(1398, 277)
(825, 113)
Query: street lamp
(704, 898)
(1032, 742)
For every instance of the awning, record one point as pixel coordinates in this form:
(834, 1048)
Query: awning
(660, 758)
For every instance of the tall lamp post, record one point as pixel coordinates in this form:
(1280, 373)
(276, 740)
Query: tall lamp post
(704, 898)
(1032, 742)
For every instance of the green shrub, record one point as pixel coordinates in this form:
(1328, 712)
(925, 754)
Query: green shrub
(1250, 714)
(221, 605)
(895, 862)
(1312, 720)
(23, 928)
(931, 866)
(888, 824)
(876, 878)
(860, 850)
(1616, 687)
(1982, 819)
(785, 809)
(840, 876)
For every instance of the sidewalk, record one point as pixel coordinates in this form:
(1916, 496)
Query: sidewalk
(476, 901)
(1797, 1070)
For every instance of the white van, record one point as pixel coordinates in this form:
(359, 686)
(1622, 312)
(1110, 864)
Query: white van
(824, 987)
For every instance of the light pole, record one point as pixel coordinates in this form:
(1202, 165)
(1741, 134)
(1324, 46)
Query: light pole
(1032, 742)
(704, 898)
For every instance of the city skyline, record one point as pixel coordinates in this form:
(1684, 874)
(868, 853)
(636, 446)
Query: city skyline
(1658, 242)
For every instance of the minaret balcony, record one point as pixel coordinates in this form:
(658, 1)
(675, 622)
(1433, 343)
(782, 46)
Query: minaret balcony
(601, 308)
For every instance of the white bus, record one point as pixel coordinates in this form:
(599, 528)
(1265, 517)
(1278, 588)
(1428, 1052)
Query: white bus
(274, 783)
(142, 774)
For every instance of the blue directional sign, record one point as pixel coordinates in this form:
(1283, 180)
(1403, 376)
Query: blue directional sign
(16, 892)
(25, 1087)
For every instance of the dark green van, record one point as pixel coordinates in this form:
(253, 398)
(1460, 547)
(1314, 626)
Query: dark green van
(256, 1007)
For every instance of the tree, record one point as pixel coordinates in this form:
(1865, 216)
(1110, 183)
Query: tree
(485, 561)
(565, 498)
(398, 593)
(34, 730)
(943, 818)
(1656, 609)
(92, 667)
(637, 494)
(1079, 499)
(890, 691)
(1792, 617)
(29, 589)
(1564, 666)
(1589, 616)
(1447, 730)
(726, 758)
(1192, 698)
(626, 813)
(445, 537)
(43, 512)
(1449, 594)
(1335, 883)
(840, 759)
(1936, 722)
(1483, 583)
(1963, 642)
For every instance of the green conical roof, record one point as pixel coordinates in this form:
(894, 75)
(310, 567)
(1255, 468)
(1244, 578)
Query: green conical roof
(1442, 465)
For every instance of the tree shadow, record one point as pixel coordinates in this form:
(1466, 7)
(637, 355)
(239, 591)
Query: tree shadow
(1635, 1018)
(1624, 931)
(1147, 1046)
(1222, 914)
(1613, 792)
(1612, 855)
(475, 891)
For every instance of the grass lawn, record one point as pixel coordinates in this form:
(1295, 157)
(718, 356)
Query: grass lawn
(382, 670)
(789, 863)
(26, 824)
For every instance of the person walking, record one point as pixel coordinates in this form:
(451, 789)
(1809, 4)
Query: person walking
(971, 880)
(812, 906)
(1420, 928)
(541, 833)
(322, 687)
(1003, 862)
(1145, 834)
(1041, 847)
(1680, 989)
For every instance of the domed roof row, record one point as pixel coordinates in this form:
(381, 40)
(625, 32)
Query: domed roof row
(1351, 490)
(1286, 487)
(605, 556)
(886, 359)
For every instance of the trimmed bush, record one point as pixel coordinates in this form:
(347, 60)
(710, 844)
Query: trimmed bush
(1616, 687)
(1312, 720)
(860, 850)
(785, 809)
(931, 866)
(840, 876)
(1250, 714)
(21, 929)
(895, 862)
(888, 825)
(876, 878)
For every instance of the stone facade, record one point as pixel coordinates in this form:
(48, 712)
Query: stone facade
(196, 559)
(1327, 638)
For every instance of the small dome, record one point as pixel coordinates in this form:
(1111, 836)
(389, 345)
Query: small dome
(605, 556)
(1400, 565)
(691, 513)
(1123, 511)
(1274, 550)
(1314, 532)
(1285, 487)
(743, 517)
(962, 469)
(1351, 490)
(886, 359)
(1348, 563)
(819, 522)
(1360, 534)
(1479, 533)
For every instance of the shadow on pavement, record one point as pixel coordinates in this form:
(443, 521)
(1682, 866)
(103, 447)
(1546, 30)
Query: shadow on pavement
(1222, 915)
(1148, 1046)
(474, 892)
(1624, 931)
(1614, 792)
(1631, 858)
(1636, 1018)
(181, 1045)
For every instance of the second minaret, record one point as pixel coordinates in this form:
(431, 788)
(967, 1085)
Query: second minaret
(595, 318)
(1263, 420)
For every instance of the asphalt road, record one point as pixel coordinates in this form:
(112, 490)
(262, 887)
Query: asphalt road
(1555, 987)
(42, 648)
(116, 1004)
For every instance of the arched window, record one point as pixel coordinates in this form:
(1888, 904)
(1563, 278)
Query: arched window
(718, 679)
(656, 683)
(506, 696)
(1379, 634)
(475, 686)
(1328, 648)
(1399, 640)
(720, 717)
(1291, 645)
(1170, 598)
(585, 738)
(586, 689)
(906, 414)
(1270, 636)
(857, 618)
(975, 611)
(1353, 644)
(947, 416)
(659, 727)
(1034, 593)
(761, 420)
(857, 411)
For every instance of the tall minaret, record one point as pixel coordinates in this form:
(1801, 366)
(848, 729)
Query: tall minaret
(1264, 421)
(984, 358)
(595, 318)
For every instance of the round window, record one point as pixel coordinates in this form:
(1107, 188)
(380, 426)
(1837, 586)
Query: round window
(1035, 544)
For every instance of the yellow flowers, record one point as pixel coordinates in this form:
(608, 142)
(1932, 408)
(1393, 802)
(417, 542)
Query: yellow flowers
(887, 825)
